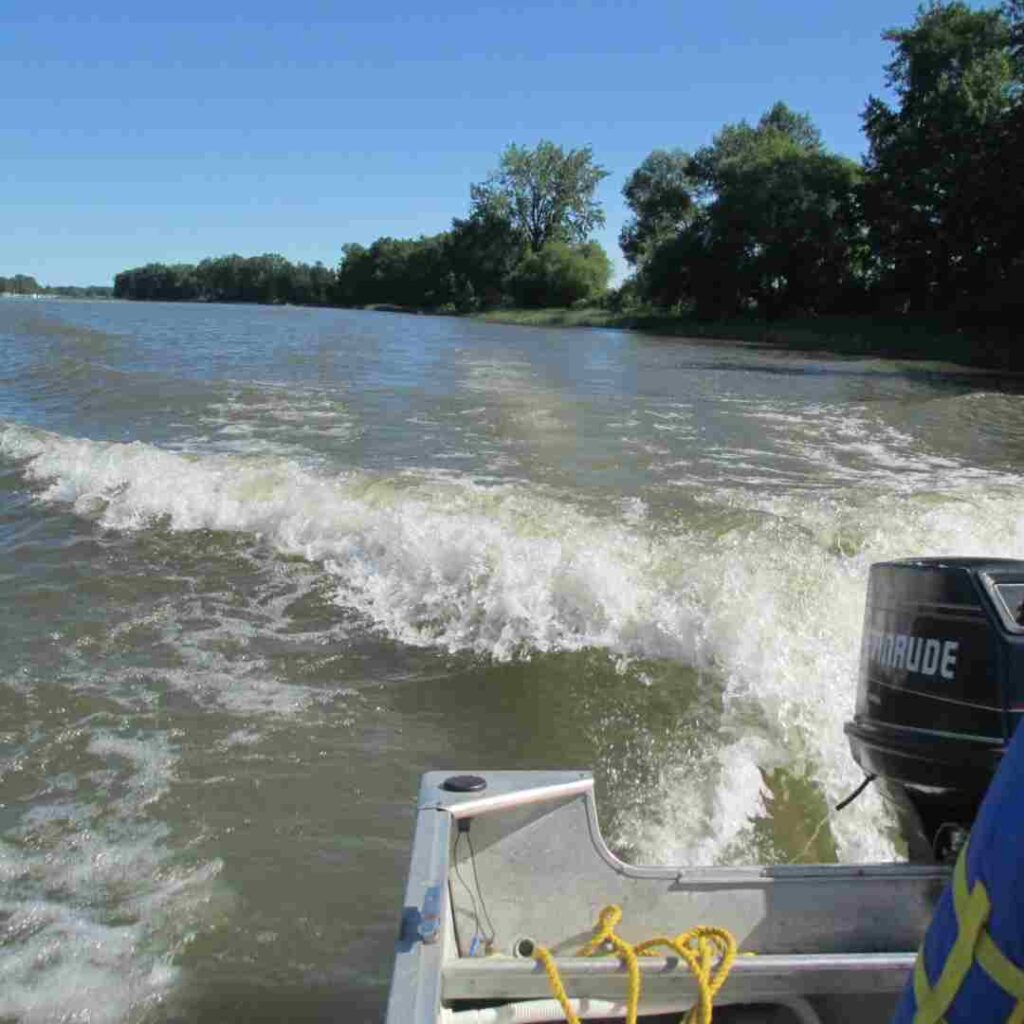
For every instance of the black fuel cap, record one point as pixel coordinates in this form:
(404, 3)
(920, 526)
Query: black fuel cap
(464, 783)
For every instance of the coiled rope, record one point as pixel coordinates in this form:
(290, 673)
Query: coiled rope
(709, 953)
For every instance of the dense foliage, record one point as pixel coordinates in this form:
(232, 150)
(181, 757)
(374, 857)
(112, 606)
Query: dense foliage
(942, 196)
(546, 194)
(74, 291)
(20, 284)
(561, 274)
(25, 284)
(765, 220)
(405, 272)
(269, 278)
(762, 220)
(524, 239)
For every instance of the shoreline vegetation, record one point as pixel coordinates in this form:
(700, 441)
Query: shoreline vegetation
(26, 286)
(851, 336)
(762, 235)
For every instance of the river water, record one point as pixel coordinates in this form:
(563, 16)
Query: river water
(261, 567)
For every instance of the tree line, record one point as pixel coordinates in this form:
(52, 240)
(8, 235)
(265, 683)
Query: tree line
(525, 242)
(267, 279)
(763, 220)
(25, 284)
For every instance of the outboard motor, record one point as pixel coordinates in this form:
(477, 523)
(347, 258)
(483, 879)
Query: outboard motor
(941, 690)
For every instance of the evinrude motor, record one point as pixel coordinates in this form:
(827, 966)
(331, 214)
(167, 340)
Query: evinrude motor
(941, 689)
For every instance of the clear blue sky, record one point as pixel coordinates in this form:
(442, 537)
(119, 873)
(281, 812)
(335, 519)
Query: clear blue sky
(173, 131)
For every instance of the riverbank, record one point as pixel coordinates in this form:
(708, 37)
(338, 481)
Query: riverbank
(887, 338)
(913, 338)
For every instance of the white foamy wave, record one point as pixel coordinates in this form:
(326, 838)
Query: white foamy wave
(210, 674)
(92, 903)
(271, 419)
(65, 967)
(432, 561)
(771, 607)
(821, 447)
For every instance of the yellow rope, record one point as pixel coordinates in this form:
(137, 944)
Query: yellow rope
(543, 956)
(708, 952)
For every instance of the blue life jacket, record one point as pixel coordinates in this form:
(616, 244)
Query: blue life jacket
(971, 964)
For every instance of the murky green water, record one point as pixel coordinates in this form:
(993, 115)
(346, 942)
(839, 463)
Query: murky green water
(261, 567)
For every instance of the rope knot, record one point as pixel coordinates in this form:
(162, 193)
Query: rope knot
(707, 951)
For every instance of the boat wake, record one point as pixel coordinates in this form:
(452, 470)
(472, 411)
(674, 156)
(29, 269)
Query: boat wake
(766, 606)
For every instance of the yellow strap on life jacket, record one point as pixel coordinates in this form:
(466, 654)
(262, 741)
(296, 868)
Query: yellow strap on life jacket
(973, 944)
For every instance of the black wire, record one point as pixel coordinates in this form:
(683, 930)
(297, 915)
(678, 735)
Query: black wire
(469, 892)
(479, 891)
(868, 779)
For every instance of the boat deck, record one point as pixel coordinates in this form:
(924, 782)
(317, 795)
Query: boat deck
(525, 860)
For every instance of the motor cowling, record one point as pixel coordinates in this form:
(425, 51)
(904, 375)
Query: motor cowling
(941, 689)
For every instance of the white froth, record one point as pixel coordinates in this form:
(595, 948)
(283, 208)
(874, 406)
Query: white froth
(88, 887)
(773, 609)
(271, 419)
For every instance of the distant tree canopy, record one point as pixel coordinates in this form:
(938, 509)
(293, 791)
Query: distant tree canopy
(762, 220)
(524, 241)
(474, 266)
(395, 271)
(942, 195)
(538, 205)
(483, 251)
(73, 291)
(24, 284)
(561, 274)
(20, 284)
(660, 194)
(269, 278)
(545, 193)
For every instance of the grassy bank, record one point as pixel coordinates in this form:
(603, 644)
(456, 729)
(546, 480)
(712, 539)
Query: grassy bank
(888, 338)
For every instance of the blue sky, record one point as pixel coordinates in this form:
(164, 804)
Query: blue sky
(175, 131)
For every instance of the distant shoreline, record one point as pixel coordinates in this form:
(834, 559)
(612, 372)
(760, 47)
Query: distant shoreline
(62, 292)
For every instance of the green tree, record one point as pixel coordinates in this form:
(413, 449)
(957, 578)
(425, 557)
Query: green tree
(269, 278)
(220, 278)
(659, 194)
(546, 193)
(784, 230)
(322, 284)
(761, 219)
(20, 284)
(483, 251)
(560, 274)
(354, 276)
(779, 132)
(426, 283)
(158, 281)
(263, 278)
(942, 195)
(407, 272)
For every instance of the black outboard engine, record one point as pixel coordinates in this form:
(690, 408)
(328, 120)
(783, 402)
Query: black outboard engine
(941, 689)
